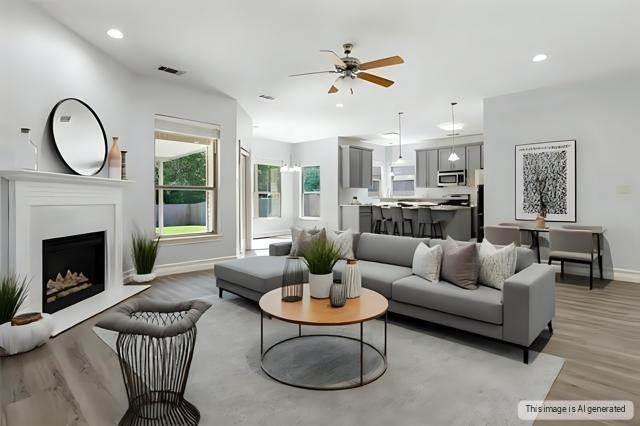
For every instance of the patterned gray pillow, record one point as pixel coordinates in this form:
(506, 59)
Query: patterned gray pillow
(295, 238)
(460, 265)
(306, 239)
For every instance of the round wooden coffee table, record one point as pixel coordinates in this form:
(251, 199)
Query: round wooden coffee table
(318, 312)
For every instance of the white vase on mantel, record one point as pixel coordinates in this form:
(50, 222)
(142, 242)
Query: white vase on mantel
(115, 160)
(320, 285)
(25, 155)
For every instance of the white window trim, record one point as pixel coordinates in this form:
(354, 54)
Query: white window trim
(213, 175)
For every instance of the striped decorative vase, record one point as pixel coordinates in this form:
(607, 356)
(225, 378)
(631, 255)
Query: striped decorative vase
(352, 279)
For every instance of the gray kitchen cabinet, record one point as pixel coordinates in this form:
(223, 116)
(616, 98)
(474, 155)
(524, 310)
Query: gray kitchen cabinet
(357, 165)
(365, 217)
(432, 168)
(427, 168)
(474, 162)
(443, 158)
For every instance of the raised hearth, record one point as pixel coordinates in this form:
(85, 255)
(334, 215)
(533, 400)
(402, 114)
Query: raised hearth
(47, 210)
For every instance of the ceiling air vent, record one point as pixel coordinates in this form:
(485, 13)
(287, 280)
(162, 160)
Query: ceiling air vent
(170, 70)
(267, 97)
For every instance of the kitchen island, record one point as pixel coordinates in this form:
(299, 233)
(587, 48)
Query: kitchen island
(456, 220)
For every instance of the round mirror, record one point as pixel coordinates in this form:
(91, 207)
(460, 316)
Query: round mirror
(79, 136)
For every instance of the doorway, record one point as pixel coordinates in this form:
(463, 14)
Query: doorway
(244, 192)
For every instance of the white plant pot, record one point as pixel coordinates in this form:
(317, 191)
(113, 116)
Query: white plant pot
(320, 285)
(22, 338)
(143, 278)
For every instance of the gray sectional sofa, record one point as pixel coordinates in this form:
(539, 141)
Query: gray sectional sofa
(516, 315)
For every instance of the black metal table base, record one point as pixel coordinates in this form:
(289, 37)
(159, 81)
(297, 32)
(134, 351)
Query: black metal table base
(363, 379)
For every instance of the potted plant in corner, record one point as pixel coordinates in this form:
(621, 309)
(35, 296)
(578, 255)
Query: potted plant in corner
(320, 258)
(144, 253)
(20, 333)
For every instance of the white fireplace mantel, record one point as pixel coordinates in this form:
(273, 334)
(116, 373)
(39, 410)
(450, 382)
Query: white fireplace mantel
(44, 205)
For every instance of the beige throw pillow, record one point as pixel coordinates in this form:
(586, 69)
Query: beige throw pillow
(427, 262)
(343, 241)
(496, 265)
(460, 265)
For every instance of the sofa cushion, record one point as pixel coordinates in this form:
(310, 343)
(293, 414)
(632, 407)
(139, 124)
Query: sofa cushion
(258, 273)
(482, 304)
(391, 249)
(375, 276)
(525, 257)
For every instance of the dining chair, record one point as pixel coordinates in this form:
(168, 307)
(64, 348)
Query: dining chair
(526, 237)
(397, 217)
(572, 245)
(502, 235)
(379, 221)
(596, 232)
(425, 218)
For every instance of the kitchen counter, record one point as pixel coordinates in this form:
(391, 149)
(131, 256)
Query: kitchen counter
(456, 220)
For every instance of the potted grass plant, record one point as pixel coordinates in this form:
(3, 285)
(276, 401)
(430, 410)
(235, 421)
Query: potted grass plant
(320, 258)
(13, 292)
(144, 253)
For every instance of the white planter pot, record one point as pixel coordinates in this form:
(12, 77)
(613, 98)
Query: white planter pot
(143, 278)
(320, 285)
(23, 338)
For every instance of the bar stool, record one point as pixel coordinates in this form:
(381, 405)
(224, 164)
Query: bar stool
(425, 218)
(398, 217)
(379, 221)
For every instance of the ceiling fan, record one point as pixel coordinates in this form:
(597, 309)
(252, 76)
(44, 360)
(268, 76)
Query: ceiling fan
(351, 68)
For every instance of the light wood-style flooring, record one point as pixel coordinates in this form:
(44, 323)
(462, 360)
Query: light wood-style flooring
(75, 379)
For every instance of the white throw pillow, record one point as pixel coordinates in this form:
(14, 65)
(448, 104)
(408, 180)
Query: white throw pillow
(496, 265)
(343, 241)
(427, 262)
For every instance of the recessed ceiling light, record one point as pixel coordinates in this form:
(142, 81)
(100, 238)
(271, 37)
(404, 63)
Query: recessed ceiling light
(115, 33)
(339, 105)
(449, 128)
(539, 57)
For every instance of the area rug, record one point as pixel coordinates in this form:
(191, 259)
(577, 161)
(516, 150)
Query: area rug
(435, 375)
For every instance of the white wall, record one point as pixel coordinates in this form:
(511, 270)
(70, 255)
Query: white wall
(602, 116)
(44, 62)
(265, 151)
(323, 153)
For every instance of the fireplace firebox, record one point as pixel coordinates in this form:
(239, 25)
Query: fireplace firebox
(73, 269)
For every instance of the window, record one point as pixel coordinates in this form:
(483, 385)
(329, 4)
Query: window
(376, 179)
(267, 190)
(402, 180)
(185, 177)
(311, 191)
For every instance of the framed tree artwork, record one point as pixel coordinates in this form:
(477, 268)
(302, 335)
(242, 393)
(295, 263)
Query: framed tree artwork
(546, 181)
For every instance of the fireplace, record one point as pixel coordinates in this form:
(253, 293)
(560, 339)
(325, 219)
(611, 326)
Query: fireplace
(73, 269)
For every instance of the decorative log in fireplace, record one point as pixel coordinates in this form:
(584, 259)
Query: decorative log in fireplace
(73, 269)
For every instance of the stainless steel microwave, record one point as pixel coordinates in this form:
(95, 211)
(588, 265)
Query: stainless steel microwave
(451, 178)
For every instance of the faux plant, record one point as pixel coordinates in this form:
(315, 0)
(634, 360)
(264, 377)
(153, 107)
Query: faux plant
(13, 292)
(321, 257)
(145, 251)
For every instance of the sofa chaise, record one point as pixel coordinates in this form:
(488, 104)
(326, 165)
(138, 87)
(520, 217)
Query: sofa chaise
(516, 315)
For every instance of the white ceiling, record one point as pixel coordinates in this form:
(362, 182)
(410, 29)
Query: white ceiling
(462, 50)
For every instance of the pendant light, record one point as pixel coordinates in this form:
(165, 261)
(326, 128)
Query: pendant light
(400, 160)
(453, 157)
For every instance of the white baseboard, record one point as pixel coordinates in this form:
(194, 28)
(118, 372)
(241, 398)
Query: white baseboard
(181, 267)
(617, 274)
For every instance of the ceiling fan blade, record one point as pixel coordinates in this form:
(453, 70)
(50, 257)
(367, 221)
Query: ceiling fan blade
(316, 72)
(333, 89)
(392, 60)
(333, 56)
(374, 79)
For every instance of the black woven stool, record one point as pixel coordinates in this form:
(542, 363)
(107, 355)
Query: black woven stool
(155, 346)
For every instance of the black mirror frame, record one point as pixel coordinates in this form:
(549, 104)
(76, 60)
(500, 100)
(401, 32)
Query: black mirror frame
(53, 136)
